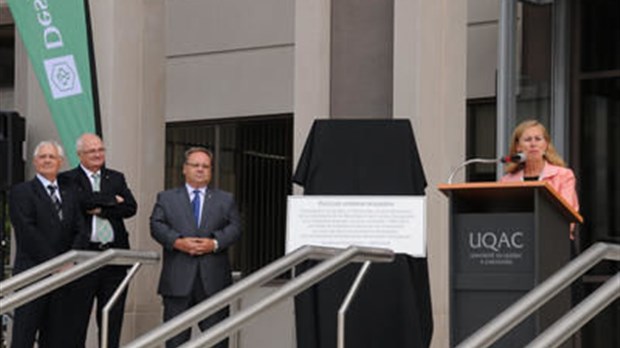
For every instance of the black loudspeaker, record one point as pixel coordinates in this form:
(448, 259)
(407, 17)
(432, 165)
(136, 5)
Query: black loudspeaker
(12, 137)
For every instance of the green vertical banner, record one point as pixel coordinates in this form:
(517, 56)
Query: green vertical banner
(56, 36)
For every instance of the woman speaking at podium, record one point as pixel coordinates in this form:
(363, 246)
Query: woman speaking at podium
(542, 162)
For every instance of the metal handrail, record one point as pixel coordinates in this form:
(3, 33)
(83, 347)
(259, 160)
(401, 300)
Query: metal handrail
(338, 258)
(292, 288)
(105, 313)
(530, 302)
(566, 326)
(94, 260)
(347, 302)
(44, 269)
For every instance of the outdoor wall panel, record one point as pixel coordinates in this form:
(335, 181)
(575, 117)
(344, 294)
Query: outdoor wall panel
(201, 26)
(255, 82)
(481, 60)
(482, 11)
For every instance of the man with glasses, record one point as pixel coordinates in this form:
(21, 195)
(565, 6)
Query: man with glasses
(105, 200)
(195, 224)
(47, 222)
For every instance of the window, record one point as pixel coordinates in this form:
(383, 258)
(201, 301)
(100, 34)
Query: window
(253, 160)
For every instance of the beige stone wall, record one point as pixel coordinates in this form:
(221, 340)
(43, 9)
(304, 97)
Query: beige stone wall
(228, 58)
(130, 62)
(429, 73)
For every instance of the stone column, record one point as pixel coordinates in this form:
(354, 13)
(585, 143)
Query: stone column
(429, 88)
(130, 50)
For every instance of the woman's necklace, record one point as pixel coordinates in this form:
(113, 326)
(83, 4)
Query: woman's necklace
(532, 172)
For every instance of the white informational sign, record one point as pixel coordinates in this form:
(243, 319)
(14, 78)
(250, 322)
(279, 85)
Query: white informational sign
(392, 222)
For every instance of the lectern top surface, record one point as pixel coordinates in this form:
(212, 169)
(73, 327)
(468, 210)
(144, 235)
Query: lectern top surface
(502, 188)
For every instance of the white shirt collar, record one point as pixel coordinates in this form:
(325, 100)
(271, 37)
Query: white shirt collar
(46, 182)
(89, 174)
(190, 190)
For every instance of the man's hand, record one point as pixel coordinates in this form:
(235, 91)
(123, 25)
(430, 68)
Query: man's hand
(95, 211)
(205, 246)
(195, 246)
(119, 199)
(64, 267)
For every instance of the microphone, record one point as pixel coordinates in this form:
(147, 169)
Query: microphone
(516, 158)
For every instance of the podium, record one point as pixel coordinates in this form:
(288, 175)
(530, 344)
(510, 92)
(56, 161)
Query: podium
(505, 239)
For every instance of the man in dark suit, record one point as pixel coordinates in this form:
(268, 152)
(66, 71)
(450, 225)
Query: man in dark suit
(46, 220)
(195, 224)
(105, 200)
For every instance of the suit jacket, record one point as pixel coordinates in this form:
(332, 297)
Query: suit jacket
(39, 233)
(172, 218)
(112, 183)
(561, 179)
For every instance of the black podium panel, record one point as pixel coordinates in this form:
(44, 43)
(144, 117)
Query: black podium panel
(392, 307)
(504, 241)
(493, 267)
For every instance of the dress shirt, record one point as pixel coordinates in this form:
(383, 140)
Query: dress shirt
(93, 227)
(46, 183)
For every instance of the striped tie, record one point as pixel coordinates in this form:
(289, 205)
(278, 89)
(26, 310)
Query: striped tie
(55, 200)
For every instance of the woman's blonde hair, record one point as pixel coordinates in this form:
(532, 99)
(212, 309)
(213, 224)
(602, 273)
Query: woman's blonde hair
(551, 155)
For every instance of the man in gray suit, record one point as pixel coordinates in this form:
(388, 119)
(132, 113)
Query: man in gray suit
(195, 224)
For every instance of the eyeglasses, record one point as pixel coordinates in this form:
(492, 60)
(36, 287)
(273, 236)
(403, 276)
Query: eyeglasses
(197, 165)
(48, 156)
(92, 151)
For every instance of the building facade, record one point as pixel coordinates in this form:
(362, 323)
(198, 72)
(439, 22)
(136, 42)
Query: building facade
(248, 78)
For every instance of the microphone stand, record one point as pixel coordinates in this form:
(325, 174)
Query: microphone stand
(468, 162)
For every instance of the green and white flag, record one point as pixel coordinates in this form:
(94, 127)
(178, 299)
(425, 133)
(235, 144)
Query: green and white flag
(56, 36)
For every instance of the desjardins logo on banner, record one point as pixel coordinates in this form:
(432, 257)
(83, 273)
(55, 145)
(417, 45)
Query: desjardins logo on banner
(62, 76)
(62, 73)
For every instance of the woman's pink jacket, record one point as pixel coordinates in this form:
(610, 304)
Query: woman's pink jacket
(561, 179)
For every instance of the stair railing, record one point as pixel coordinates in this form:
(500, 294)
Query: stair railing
(335, 259)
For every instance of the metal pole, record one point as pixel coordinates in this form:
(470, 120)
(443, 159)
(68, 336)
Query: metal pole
(506, 76)
(564, 328)
(347, 301)
(108, 306)
(560, 95)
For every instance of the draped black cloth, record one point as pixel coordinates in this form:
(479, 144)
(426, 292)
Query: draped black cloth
(393, 306)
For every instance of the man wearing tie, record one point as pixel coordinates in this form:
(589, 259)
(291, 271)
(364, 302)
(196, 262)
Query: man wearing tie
(195, 224)
(105, 200)
(47, 222)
